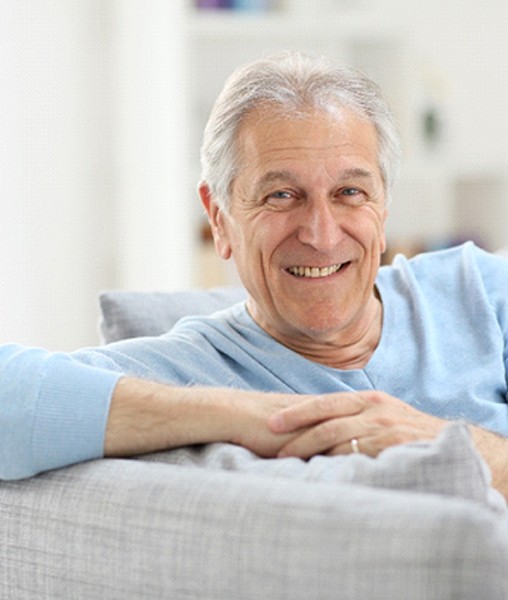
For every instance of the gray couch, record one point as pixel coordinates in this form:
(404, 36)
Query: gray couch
(216, 522)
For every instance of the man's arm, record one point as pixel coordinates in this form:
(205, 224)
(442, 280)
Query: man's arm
(53, 410)
(56, 410)
(146, 417)
(494, 449)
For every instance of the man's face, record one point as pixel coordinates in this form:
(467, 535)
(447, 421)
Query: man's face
(306, 224)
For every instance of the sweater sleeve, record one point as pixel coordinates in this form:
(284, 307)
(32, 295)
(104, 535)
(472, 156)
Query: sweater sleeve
(53, 410)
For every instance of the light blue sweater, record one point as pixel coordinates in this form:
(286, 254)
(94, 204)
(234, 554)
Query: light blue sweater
(443, 349)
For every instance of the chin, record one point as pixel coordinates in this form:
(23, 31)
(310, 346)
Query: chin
(317, 330)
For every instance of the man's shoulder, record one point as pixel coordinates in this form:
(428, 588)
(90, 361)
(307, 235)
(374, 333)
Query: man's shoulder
(461, 256)
(465, 265)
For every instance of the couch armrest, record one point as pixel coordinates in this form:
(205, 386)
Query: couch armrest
(117, 529)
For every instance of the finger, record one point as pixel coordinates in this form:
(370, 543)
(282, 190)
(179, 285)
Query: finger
(364, 446)
(332, 435)
(315, 410)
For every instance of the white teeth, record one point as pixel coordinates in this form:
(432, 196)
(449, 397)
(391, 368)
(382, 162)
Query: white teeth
(314, 272)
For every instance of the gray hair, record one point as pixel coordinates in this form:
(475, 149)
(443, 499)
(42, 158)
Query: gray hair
(291, 83)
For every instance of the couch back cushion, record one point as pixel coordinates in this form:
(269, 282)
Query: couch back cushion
(135, 314)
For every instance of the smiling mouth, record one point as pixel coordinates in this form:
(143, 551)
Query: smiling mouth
(316, 272)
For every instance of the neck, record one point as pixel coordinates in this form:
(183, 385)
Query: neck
(346, 350)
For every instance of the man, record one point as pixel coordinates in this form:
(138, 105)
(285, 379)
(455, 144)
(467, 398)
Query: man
(330, 354)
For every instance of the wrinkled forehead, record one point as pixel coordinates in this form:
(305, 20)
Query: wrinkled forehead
(270, 112)
(269, 129)
(268, 116)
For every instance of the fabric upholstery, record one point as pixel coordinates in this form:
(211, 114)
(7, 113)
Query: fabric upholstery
(135, 314)
(117, 529)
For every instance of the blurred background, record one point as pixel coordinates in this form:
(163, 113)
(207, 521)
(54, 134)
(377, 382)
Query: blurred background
(102, 105)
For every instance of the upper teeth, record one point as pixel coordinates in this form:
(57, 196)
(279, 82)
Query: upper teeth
(314, 271)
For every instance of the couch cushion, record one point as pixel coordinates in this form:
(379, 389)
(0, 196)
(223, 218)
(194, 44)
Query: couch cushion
(135, 314)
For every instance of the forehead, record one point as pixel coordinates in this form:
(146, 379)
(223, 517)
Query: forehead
(268, 136)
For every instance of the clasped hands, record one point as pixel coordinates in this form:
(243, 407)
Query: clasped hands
(276, 425)
(326, 424)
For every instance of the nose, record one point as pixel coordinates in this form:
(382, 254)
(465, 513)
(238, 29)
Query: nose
(321, 225)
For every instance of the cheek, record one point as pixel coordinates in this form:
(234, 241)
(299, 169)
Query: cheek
(375, 224)
(260, 236)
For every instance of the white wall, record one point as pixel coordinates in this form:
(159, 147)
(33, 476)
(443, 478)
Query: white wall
(155, 233)
(55, 169)
(91, 130)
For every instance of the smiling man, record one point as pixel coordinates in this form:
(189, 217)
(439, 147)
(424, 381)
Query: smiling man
(331, 354)
(306, 230)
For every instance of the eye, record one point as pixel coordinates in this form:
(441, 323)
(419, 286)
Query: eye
(280, 199)
(352, 196)
(280, 194)
(351, 191)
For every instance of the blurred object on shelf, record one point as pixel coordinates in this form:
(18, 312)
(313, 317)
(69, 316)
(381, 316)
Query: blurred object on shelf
(432, 125)
(413, 247)
(212, 4)
(237, 5)
(205, 233)
(408, 249)
(252, 5)
(434, 99)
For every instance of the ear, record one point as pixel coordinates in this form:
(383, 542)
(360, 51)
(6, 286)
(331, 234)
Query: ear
(217, 219)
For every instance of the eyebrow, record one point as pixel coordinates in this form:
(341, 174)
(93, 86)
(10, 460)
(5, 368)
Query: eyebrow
(284, 175)
(272, 176)
(357, 172)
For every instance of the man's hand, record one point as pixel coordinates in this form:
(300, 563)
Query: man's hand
(329, 423)
(147, 417)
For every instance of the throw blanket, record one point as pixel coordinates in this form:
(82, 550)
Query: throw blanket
(448, 465)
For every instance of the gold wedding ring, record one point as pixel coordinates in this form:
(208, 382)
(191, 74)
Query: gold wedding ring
(354, 446)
